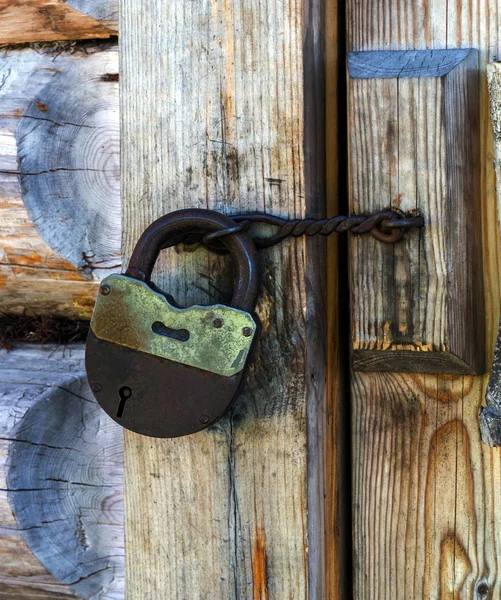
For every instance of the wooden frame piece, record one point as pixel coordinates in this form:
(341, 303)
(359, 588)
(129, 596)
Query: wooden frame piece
(417, 306)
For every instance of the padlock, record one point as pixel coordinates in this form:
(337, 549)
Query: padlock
(165, 371)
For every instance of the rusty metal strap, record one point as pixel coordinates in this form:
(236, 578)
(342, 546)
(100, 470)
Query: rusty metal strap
(387, 226)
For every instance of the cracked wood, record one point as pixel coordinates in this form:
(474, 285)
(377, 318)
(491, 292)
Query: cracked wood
(61, 476)
(59, 137)
(216, 114)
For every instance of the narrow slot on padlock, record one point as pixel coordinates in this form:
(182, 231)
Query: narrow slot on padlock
(181, 335)
(124, 393)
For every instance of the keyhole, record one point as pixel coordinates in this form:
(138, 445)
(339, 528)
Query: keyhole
(181, 335)
(125, 393)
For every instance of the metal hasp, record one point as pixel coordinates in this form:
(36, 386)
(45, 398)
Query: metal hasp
(386, 226)
(160, 370)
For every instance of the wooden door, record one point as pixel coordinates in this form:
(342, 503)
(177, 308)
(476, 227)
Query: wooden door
(223, 107)
(230, 116)
(306, 490)
(425, 486)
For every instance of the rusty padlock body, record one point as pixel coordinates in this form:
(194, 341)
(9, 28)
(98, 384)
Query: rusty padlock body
(160, 370)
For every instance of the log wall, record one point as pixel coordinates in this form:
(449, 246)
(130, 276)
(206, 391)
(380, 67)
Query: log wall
(58, 171)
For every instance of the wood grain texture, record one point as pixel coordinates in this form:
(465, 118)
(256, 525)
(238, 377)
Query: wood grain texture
(494, 85)
(80, 152)
(61, 470)
(213, 116)
(24, 21)
(418, 305)
(425, 489)
(490, 417)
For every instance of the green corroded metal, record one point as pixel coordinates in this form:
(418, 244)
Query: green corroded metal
(220, 336)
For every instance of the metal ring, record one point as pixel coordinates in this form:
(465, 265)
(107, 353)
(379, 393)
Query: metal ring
(395, 235)
(390, 231)
(390, 234)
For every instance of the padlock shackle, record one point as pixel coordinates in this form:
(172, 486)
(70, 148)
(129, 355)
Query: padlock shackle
(193, 220)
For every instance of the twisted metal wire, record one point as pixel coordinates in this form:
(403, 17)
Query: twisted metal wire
(387, 226)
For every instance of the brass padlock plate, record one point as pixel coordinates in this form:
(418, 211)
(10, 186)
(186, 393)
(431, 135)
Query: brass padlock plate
(214, 338)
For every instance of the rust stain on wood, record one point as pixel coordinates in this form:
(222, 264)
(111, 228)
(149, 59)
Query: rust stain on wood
(110, 77)
(41, 106)
(397, 201)
(259, 571)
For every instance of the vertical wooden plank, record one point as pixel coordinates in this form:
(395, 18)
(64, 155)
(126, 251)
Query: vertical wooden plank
(426, 502)
(490, 417)
(222, 107)
(336, 500)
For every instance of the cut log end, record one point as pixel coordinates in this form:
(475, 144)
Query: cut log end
(72, 190)
(64, 482)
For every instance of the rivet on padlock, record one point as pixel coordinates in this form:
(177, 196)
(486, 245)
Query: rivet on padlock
(164, 371)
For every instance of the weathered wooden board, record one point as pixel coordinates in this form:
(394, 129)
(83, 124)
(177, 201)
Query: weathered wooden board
(414, 131)
(61, 476)
(494, 84)
(426, 501)
(490, 417)
(49, 20)
(221, 108)
(59, 137)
